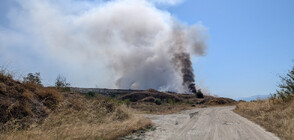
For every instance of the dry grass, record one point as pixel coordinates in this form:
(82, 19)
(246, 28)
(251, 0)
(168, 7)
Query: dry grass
(30, 111)
(24, 103)
(80, 118)
(274, 115)
(277, 113)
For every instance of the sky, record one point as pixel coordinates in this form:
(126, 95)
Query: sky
(250, 44)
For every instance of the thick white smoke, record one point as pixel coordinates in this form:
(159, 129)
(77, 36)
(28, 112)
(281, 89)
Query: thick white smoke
(132, 41)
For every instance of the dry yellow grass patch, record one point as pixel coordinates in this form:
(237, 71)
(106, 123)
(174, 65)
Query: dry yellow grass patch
(80, 118)
(81, 130)
(274, 115)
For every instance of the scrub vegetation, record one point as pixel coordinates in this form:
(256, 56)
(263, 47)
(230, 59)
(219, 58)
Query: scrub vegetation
(275, 114)
(30, 111)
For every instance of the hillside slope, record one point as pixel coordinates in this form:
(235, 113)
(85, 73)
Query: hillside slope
(30, 111)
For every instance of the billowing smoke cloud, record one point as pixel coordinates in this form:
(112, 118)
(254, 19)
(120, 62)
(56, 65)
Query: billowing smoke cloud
(130, 43)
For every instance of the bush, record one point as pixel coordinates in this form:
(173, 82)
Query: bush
(91, 94)
(158, 101)
(125, 101)
(171, 101)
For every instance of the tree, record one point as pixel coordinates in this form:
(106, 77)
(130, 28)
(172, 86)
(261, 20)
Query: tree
(287, 86)
(61, 82)
(33, 78)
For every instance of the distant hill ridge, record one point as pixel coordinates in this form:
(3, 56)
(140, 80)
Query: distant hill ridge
(251, 98)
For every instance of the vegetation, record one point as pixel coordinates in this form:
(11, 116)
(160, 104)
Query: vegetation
(171, 101)
(91, 94)
(61, 84)
(158, 101)
(30, 111)
(159, 98)
(81, 118)
(164, 108)
(155, 102)
(275, 114)
(286, 93)
(33, 79)
(23, 103)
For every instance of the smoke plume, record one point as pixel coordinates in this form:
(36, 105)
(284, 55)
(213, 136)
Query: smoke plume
(182, 61)
(125, 43)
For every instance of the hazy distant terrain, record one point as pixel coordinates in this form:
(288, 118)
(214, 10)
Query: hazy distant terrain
(251, 98)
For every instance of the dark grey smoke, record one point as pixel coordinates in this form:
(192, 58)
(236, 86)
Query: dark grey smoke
(183, 61)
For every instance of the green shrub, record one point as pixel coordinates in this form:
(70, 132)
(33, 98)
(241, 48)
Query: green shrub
(158, 101)
(171, 101)
(126, 101)
(91, 94)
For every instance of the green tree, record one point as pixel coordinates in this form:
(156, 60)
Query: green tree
(286, 91)
(33, 78)
(61, 82)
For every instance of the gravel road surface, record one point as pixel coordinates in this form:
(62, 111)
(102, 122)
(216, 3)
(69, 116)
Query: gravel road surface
(213, 123)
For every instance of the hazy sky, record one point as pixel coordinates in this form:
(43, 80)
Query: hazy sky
(250, 44)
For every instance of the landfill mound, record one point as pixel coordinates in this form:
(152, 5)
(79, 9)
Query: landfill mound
(149, 96)
(152, 95)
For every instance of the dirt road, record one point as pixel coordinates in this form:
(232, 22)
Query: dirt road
(216, 123)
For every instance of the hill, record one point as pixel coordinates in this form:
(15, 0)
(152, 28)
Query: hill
(30, 111)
